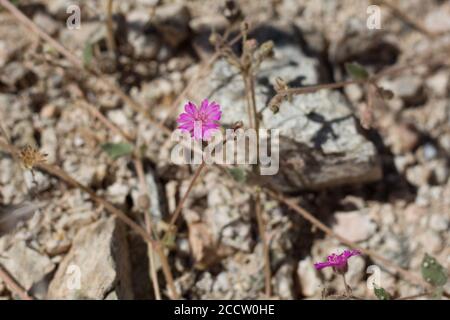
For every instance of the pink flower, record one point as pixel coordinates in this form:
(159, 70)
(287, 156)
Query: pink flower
(200, 122)
(337, 261)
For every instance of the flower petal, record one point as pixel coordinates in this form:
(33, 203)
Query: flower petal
(321, 265)
(185, 117)
(204, 106)
(190, 108)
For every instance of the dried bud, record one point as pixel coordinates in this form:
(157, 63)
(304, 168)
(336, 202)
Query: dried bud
(31, 157)
(238, 125)
(274, 103)
(250, 45)
(143, 202)
(266, 49)
(280, 85)
(244, 26)
(275, 108)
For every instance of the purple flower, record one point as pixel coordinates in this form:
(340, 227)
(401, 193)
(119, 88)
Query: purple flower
(337, 261)
(200, 122)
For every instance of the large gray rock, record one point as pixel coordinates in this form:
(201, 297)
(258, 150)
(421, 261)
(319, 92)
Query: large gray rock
(320, 145)
(27, 266)
(97, 266)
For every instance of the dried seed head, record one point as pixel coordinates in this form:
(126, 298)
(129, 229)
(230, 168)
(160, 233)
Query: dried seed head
(143, 202)
(244, 27)
(30, 157)
(213, 38)
(274, 103)
(250, 45)
(275, 108)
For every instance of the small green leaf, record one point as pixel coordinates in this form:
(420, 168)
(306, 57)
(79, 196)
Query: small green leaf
(117, 150)
(88, 54)
(433, 272)
(356, 71)
(238, 174)
(381, 293)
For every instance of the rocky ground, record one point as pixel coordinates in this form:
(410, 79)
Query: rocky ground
(386, 188)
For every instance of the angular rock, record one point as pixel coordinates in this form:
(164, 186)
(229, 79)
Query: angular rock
(99, 256)
(407, 87)
(438, 83)
(438, 20)
(319, 142)
(172, 21)
(26, 265)
(439, 223)
(355, 226)
(284, 282)
(12, 215)
(90, 33)
(402, 138)
(11, 39)
(242, 278)
(17, 76)
(46, 23)
(309, 281)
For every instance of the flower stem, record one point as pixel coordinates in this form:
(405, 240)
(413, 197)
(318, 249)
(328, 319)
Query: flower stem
(249, 82)
(177, 211)
(348, 290)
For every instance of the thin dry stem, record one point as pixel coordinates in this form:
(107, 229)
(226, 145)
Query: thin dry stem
(414, 296)
(149, 227)
(249, 81)
(4, 133)
(266, 247)
(110, 42)
(177, 211)
(13, 285)
(106, 122)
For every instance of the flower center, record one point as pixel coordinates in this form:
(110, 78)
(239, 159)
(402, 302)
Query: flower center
(201, 117)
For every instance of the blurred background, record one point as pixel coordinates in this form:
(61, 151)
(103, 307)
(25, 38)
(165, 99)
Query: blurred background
(90, 90)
